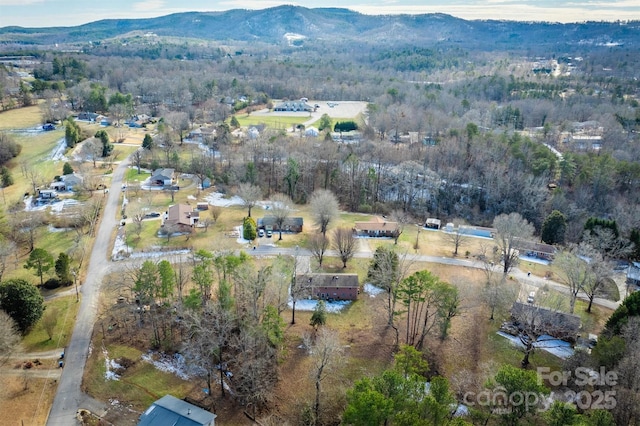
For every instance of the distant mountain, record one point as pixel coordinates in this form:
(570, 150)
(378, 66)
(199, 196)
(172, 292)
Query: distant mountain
(335, 25)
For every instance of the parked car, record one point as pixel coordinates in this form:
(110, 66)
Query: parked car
(269, 234)
(532, 297)
(260, 232)
(48, 127)
(152, 214)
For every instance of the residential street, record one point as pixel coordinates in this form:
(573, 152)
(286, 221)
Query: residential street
(69, 397)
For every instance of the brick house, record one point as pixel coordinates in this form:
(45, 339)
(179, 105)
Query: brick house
(329, 286)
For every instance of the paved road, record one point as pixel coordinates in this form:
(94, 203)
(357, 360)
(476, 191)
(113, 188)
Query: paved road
(521, 276)
(69, 396)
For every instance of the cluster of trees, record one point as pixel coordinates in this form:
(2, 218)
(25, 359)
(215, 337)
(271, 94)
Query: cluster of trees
(230, 327)
(427, 303)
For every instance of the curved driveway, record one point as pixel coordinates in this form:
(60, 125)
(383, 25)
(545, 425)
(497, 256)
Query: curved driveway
(69, 396)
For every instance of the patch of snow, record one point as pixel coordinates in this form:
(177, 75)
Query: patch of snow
(110, 365)
(175, 364)
(120, 248)
(240, 240)
(372, 290)
(55, 206)
(557, 347)
(218, 199)
(58, 152)
(191, 197)
(52, 228)
(310, 305)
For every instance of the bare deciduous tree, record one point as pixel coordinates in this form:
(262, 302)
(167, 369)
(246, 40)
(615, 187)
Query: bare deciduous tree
(280, 209)
(324, 208)
(403, 218)
(509, 229)
(137, 157)
(7, 249)
(345, 243)
(49, 321)
(325, 353)
(318, 244)
(91, 150)
(9, 337)
(575, 272)
(210, 335)
(250, 195)
(457, 237)
(215, 212)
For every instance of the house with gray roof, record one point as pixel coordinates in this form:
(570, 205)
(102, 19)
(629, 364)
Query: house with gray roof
(293, 106)
(560, 325)
(163, 177)
(171, 411)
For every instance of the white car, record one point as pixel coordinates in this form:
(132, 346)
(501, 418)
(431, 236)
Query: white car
(260, 232)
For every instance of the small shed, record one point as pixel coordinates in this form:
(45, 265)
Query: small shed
(432, 223)
(47, 194)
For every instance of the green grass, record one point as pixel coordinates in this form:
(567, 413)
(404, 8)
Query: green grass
(20, 118)
(37, 340)
(140, 384)
(274, 122)
(501, 351)
(132, 175)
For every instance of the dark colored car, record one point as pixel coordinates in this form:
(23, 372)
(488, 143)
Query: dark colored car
(48, 127)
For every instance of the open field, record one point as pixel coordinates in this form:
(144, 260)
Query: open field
(21, 118)
(284, 120)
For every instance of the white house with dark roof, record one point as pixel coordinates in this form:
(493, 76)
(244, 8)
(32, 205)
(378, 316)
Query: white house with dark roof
(163, 177)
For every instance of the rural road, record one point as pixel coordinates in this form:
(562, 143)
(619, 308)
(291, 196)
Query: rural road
(521, 276)
(69, 396)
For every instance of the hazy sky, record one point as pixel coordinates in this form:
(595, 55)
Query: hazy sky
(51, 13)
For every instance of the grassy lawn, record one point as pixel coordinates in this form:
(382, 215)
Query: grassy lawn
(20, 118)
(132, 175)
(38, 340)
(141, 383)
(501, 351)
(274, 122)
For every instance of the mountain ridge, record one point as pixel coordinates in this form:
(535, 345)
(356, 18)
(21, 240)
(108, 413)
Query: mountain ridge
(335, 25)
